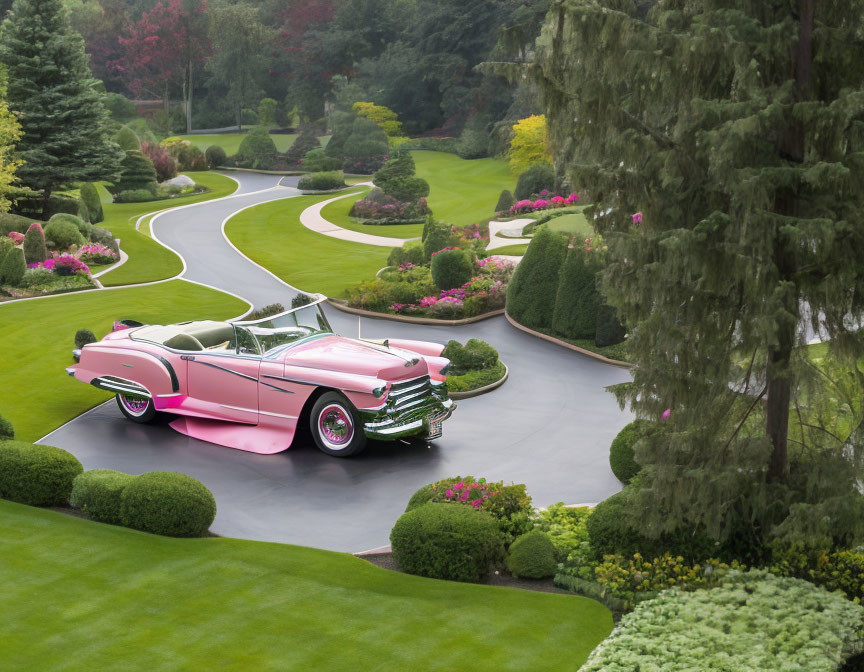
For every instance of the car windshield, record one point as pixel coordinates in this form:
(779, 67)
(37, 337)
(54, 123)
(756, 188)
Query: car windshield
(274, 333)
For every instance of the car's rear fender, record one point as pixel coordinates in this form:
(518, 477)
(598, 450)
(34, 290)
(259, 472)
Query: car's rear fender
(149, 371)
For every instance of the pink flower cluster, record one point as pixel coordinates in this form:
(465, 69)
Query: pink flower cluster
(97, 253)
(527, 205)
(67, 261)
(17, 237)
(444, 249)
(473, 493)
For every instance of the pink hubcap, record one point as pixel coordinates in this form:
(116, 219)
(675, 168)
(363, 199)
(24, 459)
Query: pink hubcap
(135, 405)
(335, 426)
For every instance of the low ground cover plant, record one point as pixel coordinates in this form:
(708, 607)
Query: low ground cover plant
(752, 620)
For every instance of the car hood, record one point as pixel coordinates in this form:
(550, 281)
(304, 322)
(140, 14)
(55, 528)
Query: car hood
(336, 353)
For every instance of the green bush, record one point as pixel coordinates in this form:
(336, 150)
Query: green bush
(304, 143)
(104, 237)
(256, 149)
(450, 145)
(119, 106)
(322, 181)
(316, 161)
(127, 139)
(834, 570)
(10, 223)
(410, 253)
(190, 158)
(752, 621)
(6, 430)
(63, 232)
(84, 227)
(36, 475)
(609, 330)
(83, 337)
(136, 172)
(135, 196)
(473, 144)
(621, 458)
(98, 493)
(343, 125)
(566, 528)
(215, 156)
(532, 292)
(398, 166)
(407, 189)
(13, 268)
(142, 130)
(473, 380)
(532, 556)
(473, 356)
(34, 247)
(91, 199)
(267, 111)
(505, 201)
(535, 179)
(451, 268)
(365, 148)
(447, 541)
(436, 236)
(167, 503)
(577, 298)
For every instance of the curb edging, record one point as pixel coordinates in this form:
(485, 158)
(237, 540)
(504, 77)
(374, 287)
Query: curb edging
(569, 346)
(482, 390)
(345, 308)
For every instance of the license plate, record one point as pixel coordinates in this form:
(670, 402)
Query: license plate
(436, 426)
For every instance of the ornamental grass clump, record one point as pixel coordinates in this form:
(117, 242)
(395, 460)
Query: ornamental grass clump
(35, 474)
(447, 541)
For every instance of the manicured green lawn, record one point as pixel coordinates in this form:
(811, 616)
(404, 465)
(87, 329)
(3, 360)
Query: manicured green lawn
(575, 223)
(337, 212)
(148, 260)
(518, 250)
(230, 142)
(38, 337)
(271, 234)
(83, 595)
(463, 192)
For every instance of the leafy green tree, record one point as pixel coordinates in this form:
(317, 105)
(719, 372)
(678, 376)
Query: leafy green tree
(10, 132)
(240, 58)
(722, 143)
(65, 135)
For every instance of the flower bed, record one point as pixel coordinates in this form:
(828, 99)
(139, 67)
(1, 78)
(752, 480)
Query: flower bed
(378, 209)
(545, 200)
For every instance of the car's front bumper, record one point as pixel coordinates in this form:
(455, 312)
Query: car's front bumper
(413, 408)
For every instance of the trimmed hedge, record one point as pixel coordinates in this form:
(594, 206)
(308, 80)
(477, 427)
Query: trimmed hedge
(35, 474)
(322, 181)
(505, 201)
(532, 292)
(63, 233)
(167, 503)
(13, 267)
(621, 458)
(410, 253)
(98, 493)
(136, 172)
(6, 430)
(302, 145)
(85, 228)
(472, 356)
(257, 150)
(532, 556)
(34, 247)
(215, 156)
(316, 161)
(451, 269)
(577, 299)
(436, 236)
(127, 139)
(10, 223)
(91, 199)
(475, 379)
(447, 541)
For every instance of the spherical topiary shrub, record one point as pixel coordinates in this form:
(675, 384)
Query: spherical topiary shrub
(621, 458)
(6, 430)
(36, 475)
(85, 228)
(167, 503)
(63, 233)
(216, 156)
(532, 556)
(451, 268)
(98, 494)
(447, 541)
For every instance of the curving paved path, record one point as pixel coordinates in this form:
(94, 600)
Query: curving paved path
(549, 426)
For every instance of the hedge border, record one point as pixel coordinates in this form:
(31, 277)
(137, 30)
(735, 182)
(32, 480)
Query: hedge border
(483, 389)
(569, 346)
(345, 308)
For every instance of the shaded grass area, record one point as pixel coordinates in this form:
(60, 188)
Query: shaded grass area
(136, 601)
(148, 260)
(230, 142)
(337, 212)
(38, 336)
(463, 192)
(271, 235)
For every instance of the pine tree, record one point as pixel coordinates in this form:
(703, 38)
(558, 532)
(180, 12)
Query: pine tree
(722, 142)
(136, 172)
(65, 137)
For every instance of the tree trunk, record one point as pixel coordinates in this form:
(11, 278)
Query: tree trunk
(239, 117)
(46, 197)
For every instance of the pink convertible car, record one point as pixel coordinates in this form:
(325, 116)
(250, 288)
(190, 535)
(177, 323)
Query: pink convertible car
(252, 385)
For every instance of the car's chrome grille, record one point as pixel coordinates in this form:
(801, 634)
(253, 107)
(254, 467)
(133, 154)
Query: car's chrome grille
(409, 393)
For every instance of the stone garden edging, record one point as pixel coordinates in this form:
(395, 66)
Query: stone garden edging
(345, 308)
(570, 346)
(484, 389)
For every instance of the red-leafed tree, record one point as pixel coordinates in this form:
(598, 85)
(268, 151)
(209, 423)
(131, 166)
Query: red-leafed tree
(164, 48)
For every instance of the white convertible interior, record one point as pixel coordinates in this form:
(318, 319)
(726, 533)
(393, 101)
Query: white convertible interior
(190, 336)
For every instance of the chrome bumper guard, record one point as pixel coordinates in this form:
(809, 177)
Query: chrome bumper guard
(413, 407)
(121, 386)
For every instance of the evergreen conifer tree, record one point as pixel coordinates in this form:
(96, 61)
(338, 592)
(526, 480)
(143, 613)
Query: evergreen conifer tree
(723, 143)
(50, 87)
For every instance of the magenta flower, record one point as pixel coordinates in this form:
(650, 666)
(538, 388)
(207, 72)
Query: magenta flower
(17, 237)
(665, 415)
(540, 203)
(572, 198)
(448, 493)
(637, 218)
(464, 496)
(459, 485)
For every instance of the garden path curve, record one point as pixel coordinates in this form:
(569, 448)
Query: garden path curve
(549, 426)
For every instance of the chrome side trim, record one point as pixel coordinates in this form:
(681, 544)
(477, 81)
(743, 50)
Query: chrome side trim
(278, 415)
(121, 386)
(223, 368)
(240, 408)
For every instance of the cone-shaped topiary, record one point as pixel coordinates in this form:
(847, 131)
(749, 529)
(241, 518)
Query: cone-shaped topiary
(12, 270)
(256, 149)
(136, 172)
(34, 247)
(451, 268)
(505, 201)
(305, 142)
(532, 291)
(127, 139)
(91, 199)
(436, 236)
(532, 556)
(577, 299)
